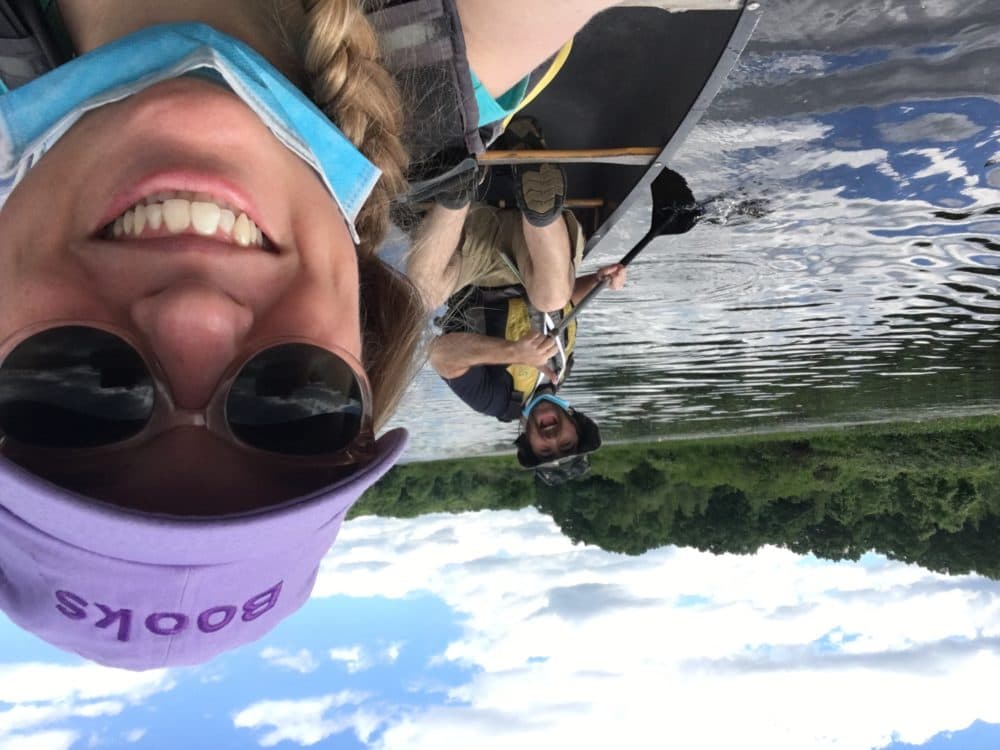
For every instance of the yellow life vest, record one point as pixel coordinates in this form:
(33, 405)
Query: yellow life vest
(519, 324)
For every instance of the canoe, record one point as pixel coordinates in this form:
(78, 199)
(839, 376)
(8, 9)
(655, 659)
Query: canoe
(637, 81)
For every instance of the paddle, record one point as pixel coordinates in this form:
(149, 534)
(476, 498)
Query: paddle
(674, 212)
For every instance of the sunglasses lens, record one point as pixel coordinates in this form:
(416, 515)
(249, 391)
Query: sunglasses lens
(74, 387)
(296, 399)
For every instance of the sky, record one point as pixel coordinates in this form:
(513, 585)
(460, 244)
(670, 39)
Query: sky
(492, 630)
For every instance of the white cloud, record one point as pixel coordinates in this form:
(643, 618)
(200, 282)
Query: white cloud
(572, 645)
(390, 654)
(308, 722)
(42, 696)
(359, 658)
(29, 716)
(302, 661)
(55, 740)
(354, 658)
(134, 736)
(47, 683)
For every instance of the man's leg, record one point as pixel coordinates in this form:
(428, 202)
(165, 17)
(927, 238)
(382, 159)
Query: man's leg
(547, 266)
(545, 258)
(507, 40)
(433, 264)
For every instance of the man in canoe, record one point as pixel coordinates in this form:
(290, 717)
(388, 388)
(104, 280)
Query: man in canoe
(509, 277)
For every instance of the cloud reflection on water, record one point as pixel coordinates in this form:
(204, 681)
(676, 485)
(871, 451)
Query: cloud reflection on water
(852, 230)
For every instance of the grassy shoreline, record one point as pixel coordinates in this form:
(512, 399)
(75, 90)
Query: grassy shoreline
(926, 492)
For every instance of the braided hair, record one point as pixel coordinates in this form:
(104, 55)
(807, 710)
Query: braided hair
(340, 60)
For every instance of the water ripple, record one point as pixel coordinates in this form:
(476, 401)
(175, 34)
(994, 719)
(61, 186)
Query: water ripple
(847, 265)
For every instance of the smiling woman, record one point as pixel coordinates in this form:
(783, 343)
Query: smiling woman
(198, 342)
(193, 301)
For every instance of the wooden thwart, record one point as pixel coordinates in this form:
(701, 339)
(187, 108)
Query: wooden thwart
(632, 156)
(570, 203)
(680, 6)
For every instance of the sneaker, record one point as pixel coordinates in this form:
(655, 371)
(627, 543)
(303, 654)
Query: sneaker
(539, 189)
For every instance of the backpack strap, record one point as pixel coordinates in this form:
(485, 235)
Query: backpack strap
(28, 46)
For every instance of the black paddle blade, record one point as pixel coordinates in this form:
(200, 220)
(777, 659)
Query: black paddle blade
(675, 210)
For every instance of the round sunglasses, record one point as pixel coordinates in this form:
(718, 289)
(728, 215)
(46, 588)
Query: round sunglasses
(82, 387)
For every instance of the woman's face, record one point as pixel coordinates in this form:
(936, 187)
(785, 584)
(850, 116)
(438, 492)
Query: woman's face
(191, 301)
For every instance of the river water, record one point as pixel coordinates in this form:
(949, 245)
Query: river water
(847, 268)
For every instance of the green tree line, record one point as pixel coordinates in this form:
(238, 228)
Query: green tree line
(925, 493)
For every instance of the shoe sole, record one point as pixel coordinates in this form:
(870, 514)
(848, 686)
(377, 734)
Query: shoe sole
(543, 192)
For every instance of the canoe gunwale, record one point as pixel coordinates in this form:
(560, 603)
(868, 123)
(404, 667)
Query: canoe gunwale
(750, 16)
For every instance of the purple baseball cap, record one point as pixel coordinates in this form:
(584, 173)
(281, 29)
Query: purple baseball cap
(142, 591)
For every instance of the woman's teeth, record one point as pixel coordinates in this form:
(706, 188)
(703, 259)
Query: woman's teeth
(177, 213)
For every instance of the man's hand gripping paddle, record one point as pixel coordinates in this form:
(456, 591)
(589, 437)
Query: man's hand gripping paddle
(674, 212)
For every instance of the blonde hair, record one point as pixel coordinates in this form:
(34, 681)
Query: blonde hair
(340, 57)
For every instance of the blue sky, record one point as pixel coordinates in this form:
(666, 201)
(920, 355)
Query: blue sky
(979, 736)
(493, 630)
(209, 697)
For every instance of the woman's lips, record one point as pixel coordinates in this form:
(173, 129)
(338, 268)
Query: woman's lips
(179, 214)
(208, 190)
(181, 244)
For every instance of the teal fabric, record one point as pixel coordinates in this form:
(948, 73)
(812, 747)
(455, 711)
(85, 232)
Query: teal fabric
(492, 110)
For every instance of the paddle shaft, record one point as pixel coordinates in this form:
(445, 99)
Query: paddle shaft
(653, 233)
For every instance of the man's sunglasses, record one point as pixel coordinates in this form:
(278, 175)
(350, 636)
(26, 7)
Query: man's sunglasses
(82, 387)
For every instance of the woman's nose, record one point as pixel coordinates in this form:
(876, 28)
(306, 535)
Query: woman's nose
(195, 330)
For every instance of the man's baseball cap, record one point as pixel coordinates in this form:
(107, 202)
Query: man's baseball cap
(570, 466)
(145, 591)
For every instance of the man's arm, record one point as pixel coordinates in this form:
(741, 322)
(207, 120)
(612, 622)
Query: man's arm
(453, 354)
(616, 273)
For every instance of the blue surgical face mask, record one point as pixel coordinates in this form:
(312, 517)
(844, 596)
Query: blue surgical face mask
(35, 116)
(530, 406)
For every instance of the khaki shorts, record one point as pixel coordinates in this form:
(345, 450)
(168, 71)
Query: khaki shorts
(494, 249)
